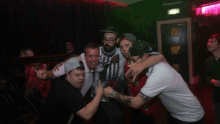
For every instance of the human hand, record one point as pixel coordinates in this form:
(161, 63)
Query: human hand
(99, 91)
(41, 74)
(134, 70)
(107, 91)
(57, 66)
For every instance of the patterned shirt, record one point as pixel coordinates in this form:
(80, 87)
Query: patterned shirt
(34, 82)
(110, 71)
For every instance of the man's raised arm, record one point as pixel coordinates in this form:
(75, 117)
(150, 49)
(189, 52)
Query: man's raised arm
(136, 68)
(57, 71)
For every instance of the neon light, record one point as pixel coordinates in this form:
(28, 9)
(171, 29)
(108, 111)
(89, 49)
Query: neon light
(209, 9)
(173, 11)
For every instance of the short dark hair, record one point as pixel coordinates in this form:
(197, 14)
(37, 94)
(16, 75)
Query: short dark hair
(217, 36)
(121, 37)
(91, 46)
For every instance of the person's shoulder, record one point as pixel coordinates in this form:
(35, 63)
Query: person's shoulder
(161, 68)
(118, 51)
(161, 65)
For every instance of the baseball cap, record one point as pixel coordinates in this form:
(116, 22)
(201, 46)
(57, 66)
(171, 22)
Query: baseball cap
(140, 47)
(71, 64)
(129, 37)
(110, 29)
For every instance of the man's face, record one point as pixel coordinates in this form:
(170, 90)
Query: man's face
(134, 59)
(92, 58)
(213, 45)
(76, 77)
(109, 41)
(69, 46)
(124, 46)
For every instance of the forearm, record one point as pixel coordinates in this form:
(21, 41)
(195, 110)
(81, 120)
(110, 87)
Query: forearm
(50, 75)
(152, 60)
(92, 107)
(127, 100)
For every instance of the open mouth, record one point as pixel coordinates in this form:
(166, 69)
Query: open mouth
(94, 63)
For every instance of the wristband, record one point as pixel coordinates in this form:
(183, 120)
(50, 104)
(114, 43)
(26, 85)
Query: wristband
(112, 94)
(213, 81)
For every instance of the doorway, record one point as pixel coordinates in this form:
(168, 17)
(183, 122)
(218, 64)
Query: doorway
(174, 42)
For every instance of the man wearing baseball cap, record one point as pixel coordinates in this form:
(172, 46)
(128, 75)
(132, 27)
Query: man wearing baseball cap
(126, 40)
(166, 83)
(133, 87)
(65, 97)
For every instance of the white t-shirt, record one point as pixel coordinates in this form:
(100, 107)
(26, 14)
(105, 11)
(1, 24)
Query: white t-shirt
(174, 93)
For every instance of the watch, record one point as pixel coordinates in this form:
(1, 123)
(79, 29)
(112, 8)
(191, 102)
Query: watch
(112, 94)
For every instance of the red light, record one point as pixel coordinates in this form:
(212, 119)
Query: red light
(209, 9)
(118, 4)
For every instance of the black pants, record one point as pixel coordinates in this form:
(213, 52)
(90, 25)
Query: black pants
(177, 121)
(109, 113)
(138, 117)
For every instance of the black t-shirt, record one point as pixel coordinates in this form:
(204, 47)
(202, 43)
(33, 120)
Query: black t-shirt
(62, 100)
(212, 70)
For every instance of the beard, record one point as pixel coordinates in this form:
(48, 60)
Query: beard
(108, 48)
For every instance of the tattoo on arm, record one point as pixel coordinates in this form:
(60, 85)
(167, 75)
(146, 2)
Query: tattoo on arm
(123, 99)
(144, 97)
(128, 100)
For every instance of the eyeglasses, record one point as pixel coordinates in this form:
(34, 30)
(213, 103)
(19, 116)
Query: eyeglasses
(108, 40)
(132, 60)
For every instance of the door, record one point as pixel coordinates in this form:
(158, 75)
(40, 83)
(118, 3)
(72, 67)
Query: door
(174, 43)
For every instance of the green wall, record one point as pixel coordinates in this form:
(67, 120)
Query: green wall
(141, 17)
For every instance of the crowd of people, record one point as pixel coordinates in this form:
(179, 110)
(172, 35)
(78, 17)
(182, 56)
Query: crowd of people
(105, 73)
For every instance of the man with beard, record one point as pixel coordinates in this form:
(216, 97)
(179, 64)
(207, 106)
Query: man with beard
(110, 72)
(212, 70)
